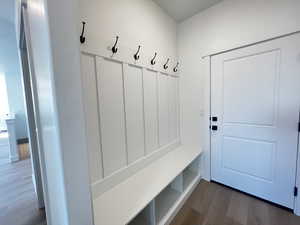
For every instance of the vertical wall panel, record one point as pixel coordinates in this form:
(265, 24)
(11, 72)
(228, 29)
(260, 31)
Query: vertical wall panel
(173, 108)
(163, 109)
(112, 116)
(177, 90)
(133, 85)
(151, 110)
(91, 116)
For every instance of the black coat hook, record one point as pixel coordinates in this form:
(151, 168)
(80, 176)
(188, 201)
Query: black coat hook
(114, 48)
(153, 60)
(136, 55)
(176, 67)
(82, 38)
(166, 64)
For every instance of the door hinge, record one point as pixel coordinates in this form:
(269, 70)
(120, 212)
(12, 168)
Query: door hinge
(296, 191)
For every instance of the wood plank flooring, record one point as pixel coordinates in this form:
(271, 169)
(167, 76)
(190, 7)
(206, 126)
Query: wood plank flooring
(18, 203)
(214, 204)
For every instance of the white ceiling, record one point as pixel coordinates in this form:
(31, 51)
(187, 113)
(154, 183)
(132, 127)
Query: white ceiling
(180, 10)
(7, 10)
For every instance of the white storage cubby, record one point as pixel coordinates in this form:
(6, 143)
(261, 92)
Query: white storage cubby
(163, 208)
(146, 216)
(190, 173)
(164, 202)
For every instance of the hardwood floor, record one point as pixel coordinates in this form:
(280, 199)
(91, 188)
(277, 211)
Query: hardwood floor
(214, 204)
(18, 203)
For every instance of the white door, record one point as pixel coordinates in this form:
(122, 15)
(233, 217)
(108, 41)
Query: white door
(256, 99)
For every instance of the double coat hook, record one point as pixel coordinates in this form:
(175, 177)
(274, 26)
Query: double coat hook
(136, 55)
(166, 64)
(176, 67)
(153, 59)
(114, 48)
(82, 38)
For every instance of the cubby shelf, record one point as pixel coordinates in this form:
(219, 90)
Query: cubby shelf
(164, 202)
(162, 209)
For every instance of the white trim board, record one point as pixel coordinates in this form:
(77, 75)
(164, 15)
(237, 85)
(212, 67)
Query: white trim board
(119, 176)
(248, 45)
(125, 55)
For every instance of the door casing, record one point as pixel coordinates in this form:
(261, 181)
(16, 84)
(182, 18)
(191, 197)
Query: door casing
(29, 84)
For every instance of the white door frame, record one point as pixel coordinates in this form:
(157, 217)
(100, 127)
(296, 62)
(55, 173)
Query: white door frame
(33, 118)
(206, 161)
(297, 199)
(29, 88)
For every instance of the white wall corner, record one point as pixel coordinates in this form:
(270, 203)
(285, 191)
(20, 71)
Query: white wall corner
(65, 47)
(206, 121)
(56, 58)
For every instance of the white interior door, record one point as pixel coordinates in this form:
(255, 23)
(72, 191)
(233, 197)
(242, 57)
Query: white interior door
(256, 99)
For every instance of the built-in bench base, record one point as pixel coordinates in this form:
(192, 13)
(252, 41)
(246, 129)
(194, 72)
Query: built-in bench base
(154, 195)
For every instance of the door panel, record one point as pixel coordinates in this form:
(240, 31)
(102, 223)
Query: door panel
(260, 152)
(255, 95)
(257, 106)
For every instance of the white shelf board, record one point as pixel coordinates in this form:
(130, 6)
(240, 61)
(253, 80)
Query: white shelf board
(164, 202)
(122, 203)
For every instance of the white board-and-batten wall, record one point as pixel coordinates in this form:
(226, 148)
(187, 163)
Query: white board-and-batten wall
(131, 107)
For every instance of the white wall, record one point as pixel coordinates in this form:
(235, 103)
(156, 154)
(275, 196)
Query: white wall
(55, 28)
(55, 45)
(56, 62)
(137, 22)
(227, 25)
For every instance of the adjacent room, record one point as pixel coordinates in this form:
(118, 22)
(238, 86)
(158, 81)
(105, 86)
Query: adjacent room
(157, 112)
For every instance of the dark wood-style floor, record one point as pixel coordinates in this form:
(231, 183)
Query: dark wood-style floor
(18, 203)
(214, 204)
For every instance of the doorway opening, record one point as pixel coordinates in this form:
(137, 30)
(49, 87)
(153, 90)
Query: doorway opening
(21, 186)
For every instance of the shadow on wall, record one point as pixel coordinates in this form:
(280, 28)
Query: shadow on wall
(10, 67)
